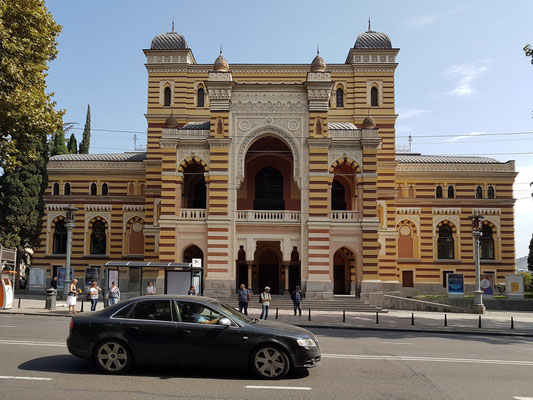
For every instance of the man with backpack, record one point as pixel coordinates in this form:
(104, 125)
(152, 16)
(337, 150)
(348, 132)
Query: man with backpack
(265, 299)
(296, 296)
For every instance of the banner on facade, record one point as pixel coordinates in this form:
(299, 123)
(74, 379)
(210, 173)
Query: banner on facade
(456, 285)
(37, 278)
(486, 282)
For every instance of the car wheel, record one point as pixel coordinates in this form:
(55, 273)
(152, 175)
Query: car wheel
(113, 357)
(270, 362)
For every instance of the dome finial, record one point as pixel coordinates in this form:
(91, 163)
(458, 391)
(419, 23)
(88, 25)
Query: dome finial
(317, 49)
(172, 24)
(369, 30)
(220, 48)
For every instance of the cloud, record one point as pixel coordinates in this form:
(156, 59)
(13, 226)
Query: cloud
(411, 113)
(403, 128)
(425, 20)
(457, 138)
(465, 75)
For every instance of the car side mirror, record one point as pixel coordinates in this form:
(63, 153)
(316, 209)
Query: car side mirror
(225, 322)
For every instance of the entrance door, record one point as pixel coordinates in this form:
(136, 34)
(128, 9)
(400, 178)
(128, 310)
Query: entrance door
(338, 279)
(269, 271)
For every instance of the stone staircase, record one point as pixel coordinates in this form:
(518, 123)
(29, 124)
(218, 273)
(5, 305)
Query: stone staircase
(337, 304)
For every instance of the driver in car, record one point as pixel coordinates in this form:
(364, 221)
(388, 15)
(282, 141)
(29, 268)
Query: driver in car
(196, 315)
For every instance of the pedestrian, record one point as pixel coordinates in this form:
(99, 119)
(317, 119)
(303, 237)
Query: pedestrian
(93, 295)
(192, 291)
(296, 297)
(243, 297)
(71, 298)
(53, 283)
(266, 298)
(113, 294)
(150, 289)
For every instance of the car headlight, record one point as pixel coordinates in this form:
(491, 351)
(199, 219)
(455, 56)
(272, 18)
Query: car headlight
(306, 342)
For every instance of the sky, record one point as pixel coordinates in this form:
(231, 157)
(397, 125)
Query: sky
(462, 73)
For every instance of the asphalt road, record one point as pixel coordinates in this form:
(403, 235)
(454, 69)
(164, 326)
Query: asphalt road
(35, 364)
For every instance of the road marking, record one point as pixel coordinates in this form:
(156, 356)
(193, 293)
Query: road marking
(279, 387)
(523, 398)
(7, 326)
(31, 343)
(27, 378)
(428, 359)
(395, 343)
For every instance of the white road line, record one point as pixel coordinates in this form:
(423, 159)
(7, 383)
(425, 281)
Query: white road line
(523, 398)
(428, 359)
(26, 378)
(7, 326)
(31, 343)
(279, 387)
(395, 343)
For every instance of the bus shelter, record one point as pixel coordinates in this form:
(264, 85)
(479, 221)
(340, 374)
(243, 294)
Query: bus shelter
(132, 277)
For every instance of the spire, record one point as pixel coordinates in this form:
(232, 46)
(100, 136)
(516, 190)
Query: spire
(317, 49)
(369, 30)
(220, 48)
(172, 24)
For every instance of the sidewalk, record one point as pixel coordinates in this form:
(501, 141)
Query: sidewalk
(492, 322)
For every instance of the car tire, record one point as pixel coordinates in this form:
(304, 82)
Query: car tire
(113, 357)
(270, 362)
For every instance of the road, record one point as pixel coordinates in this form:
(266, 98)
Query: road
(35, 364)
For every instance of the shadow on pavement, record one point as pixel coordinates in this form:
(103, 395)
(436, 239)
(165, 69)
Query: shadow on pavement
(68, 364)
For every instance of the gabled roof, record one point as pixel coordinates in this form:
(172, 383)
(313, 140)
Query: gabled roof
(122, 157)
(341, 125)
(439, 159)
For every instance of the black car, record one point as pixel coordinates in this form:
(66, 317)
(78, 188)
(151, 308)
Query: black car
(187, 330)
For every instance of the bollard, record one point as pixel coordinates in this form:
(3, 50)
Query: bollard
(377, 317)
(343, 315)
(412, 318)
(276, 312)
(82, 305)
(19, 302)
(445, 320)
(479, 324)
(512, 323)
(309, 318)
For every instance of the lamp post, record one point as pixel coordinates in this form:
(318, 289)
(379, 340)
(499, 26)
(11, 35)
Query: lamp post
(69, 218)
(478, 306)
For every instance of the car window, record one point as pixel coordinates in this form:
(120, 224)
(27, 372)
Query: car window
(236, 315)
(126, 312)
(197, 313)
(156, 310)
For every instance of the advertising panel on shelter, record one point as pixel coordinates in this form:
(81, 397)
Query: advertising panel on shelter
(456, 285)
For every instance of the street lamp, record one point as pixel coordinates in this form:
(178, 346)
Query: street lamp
(69, 218)
(478, 306)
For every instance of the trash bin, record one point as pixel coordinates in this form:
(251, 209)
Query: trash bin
(50, 303)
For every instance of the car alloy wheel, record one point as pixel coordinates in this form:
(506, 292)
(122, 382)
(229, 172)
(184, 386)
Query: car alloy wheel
(270, 363)
(113, 357)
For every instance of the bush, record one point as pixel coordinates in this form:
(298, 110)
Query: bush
(528, 281)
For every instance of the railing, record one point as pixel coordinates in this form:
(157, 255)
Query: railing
(193, 213)
(344, 216)
(268, 216)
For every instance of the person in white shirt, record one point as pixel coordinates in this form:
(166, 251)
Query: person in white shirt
(93, 294)
(150, 289)
(265, 302)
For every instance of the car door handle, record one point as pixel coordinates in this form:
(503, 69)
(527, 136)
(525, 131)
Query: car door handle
(186, 331)
(132, 328)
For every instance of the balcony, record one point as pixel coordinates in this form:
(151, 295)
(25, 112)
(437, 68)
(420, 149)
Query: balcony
(344, 216)
(194, 214)
(268, 216)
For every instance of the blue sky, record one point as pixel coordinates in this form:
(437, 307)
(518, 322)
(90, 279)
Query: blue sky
(461, 73)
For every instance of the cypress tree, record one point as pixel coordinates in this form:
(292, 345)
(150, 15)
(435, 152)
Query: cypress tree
(72, 145)
(59, 146)
(86, 139)
(530, 256)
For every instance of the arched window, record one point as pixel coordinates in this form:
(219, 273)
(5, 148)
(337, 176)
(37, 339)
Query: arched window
(374, 96)
(269, 190)
(338, 196)
(340, 97)
(167, 97)
(220, 128)
(319, 128)
(200, 97)
(55, 190)
(141, 188)
(406, 241)
(131, 189)
(490, 192)
(487, 242)
(479, 192)
(98, 237)
(60, 237)
(438, 192)
(135, 236)
(451, 192)
(67, 189)
(93, 189)
(194, 187)
(445, 243)
(105, 189)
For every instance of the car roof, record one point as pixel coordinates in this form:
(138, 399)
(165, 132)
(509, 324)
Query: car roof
(203, 299)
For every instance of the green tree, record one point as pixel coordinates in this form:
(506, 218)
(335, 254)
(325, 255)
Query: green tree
(530, 256)
(529, 51)
(86, 139)
(27, 113)
(72, 145)
(58, 145)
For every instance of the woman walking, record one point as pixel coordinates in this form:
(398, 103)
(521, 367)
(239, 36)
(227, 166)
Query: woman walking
(93, 294)
(266, 298)
(71, 298)
(113, 294)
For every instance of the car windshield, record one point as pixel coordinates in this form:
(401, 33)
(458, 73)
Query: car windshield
(241, 318)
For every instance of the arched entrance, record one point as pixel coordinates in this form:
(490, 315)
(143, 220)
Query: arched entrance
(194, 189)
(343, 268)
(268, 263)
(269, 190)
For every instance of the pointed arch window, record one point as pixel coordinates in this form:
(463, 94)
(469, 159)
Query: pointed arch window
(67, 189)
(55, 189)
(445, 243)
(438, 192)
(93, 189)
(479, 192)
(490, 192)
(451, 192)
(338, 196)
(105, 189)
(220, 127)
(340, 97)
(374, 96)
(319, 128)
(487, 242)
(167, 97)
(200, 97)
(60, 238)
(98, 237)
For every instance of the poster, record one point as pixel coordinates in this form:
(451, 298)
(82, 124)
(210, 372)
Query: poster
(91, 275)
(456, 284)
(112, 277)
(37, 278)
(62, 277)
(486, 282)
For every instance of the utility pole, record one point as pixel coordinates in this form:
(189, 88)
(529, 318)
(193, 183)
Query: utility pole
(478, 306)
(69, 225)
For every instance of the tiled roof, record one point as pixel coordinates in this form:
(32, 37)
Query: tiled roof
(169, 41)
(419, 158)
(373, 40)
(197, 125)
(341, 125)
(122, 157)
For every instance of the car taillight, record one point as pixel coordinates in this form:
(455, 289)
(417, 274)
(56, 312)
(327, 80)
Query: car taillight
(71, 324)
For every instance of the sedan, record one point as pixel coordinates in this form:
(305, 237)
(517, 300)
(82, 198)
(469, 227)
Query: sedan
(187, 330)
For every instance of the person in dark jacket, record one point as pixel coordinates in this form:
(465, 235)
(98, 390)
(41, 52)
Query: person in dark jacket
(53, 283)
(296, 296)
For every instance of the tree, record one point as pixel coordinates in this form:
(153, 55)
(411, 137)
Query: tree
(58, 145)
(530, 256)
(27, 113)
(86, 139)
(529, 51)
(72, 145)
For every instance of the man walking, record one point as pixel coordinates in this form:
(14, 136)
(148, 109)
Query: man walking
(296, 297)
(243, 297)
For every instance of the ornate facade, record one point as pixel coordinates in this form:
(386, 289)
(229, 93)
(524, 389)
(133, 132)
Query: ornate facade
(281, 175)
